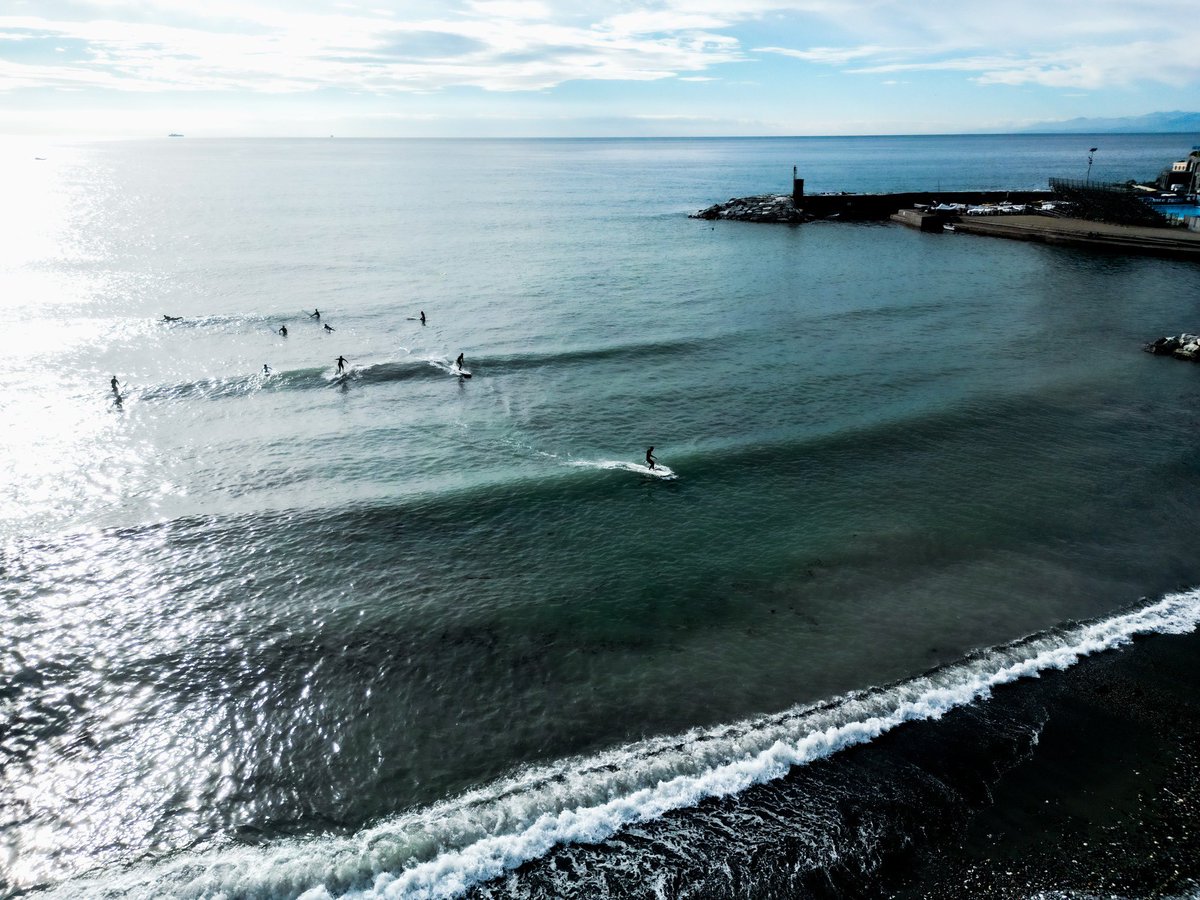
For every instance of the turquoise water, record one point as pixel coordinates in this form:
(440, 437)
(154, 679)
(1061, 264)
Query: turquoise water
(378, 615)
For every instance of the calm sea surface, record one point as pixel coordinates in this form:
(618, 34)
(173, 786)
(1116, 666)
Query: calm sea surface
(398, 633)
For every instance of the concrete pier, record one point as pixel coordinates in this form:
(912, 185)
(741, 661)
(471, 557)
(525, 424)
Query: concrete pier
(1169, 243)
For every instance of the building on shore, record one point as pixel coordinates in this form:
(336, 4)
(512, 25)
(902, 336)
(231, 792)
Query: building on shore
(1182, 176)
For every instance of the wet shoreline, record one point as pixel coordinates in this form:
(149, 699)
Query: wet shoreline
(1107, 803)
(1079, 783)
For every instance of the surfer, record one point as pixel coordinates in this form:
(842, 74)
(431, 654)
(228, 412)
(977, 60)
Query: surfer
(167, 318)
(341, 361)
(116, 386)
(327, 328)
(283, 330)
(266, 369)
(649, 458)
(422, 317)
(315, 314)
(458, 362)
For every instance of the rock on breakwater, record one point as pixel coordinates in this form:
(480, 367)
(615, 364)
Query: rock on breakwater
(766, 208)
(1184, 346)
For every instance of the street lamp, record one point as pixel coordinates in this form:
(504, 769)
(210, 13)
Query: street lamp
(1089, 174)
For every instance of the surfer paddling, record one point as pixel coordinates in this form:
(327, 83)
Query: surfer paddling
(341, 364)
(167, 318)
(650, 460)
(327, 328)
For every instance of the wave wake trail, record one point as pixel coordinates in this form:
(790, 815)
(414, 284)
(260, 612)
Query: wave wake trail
(444, 850)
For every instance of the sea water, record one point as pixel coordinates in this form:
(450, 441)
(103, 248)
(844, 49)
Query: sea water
(399, 633)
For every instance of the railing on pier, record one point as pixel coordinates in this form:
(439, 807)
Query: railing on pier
(1078, 184)
(1101, 202)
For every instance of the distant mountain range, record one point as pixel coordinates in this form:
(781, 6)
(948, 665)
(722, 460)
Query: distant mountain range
(1168, 122)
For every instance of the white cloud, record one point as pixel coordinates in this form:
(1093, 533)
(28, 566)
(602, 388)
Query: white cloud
(1065, 44)
(662, 21)
(524, 10)
(502, 45)
(832, 56)
(293, 46)
(1171, 62)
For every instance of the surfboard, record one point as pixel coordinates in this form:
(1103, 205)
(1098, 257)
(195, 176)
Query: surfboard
(461, 373)
(659, 471)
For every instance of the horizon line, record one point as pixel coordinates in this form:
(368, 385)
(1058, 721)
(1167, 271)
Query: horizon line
(586, 137)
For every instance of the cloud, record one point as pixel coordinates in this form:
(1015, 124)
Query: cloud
(524, 10)
(663, 21)
(296, 46)
(1170, 62)
(1066, 44)
(499, 45)
(831, 56)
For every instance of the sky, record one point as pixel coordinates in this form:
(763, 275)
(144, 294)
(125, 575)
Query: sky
(580, 68)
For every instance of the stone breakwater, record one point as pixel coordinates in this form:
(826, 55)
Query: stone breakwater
(1183, 346)
(791, 209)
(767, 208)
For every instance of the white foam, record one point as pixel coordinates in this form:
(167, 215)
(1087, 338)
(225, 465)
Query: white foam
(446, 366)
(659, 471)
(444, 849)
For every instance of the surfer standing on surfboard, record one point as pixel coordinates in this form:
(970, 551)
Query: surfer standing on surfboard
(422, 317)
(341, 361)
(458, 362)
(650, 459)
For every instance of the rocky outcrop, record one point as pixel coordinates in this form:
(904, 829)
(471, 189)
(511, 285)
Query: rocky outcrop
(768, 208)
(1184, 346)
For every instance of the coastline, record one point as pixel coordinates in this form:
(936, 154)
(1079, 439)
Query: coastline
(1107, 803)
(1082, 782)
